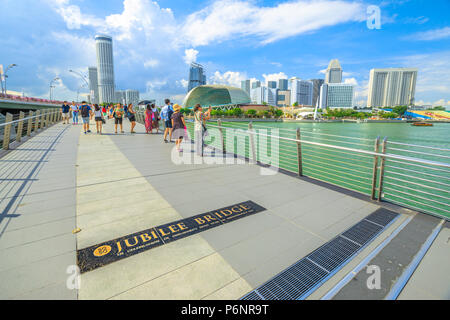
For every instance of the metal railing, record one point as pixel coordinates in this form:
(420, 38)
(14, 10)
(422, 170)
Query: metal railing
(16, 127)
(413, 176)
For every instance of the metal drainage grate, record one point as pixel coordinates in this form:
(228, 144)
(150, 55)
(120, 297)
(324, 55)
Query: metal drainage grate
(301, 279)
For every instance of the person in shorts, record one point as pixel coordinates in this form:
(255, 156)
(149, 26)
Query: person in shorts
(118, 117)
(86, 112)
(65, 110)
(98, 118)
(178, 126)
(132, 117)
(166, 113)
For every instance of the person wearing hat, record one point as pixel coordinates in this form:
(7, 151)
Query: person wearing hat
(178, 126)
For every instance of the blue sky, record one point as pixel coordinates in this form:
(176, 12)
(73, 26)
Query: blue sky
(234, 39)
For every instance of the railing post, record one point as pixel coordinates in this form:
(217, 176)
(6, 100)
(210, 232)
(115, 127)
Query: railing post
(222, 138)
(47, 118)
(7, 131)
(52, 117)
(375, 167)
(20, 127)
(383, 160)
(252, 142)
(44, 119)
(299, 153)
(36, 123)
(30, 123)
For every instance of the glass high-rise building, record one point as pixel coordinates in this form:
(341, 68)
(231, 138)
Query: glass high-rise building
(392, 87)
(197, 76)
(317, 83)
(105, 68)
(272, 84)
(93, 84)
(339, 95)
(301, 91)
(334, 72)
(256, 84)
(283, 84)
(245, 85)
(132, 96)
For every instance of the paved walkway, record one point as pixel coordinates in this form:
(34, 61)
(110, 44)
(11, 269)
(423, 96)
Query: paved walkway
(115, 185)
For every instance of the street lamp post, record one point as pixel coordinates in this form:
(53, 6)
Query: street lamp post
(5, 75)
(52, 86)
(82, 77)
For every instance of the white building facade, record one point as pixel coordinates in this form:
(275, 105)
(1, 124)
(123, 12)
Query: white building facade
(392, 87)
(340, 95)
(93, 84)
(105, 68)
(334, 72)
(301, 91)
(132, 96)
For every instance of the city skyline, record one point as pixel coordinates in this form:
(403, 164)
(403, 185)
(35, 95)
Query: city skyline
(157, 63)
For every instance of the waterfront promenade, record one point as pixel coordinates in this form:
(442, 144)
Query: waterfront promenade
(111, 186)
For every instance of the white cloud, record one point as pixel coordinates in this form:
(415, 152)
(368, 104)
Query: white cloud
(274, 77)
(226, 19)
(230, 78)
(430, 35)
(351, 81)
(151, 63)
(190, 55)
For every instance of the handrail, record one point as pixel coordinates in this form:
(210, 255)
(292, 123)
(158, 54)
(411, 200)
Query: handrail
(371, 153)
(27, 118)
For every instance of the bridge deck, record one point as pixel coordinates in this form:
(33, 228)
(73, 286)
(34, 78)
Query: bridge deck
(111, 186)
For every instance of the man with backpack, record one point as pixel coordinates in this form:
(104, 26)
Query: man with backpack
(86, 113)
(166, 116)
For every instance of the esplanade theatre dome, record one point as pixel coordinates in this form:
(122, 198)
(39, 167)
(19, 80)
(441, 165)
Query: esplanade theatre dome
(215, 95)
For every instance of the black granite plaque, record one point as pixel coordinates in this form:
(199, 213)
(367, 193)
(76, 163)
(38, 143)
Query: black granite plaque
(110, 251)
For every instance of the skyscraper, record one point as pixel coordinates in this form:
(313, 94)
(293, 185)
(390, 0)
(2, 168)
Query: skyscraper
(317, 83)
(196, 76)
(283, 84)
(245, 85)
(93, 84)
(301, 91)
(120, 97)
(132, 96)
(272, 84)
(392, 87)
(334, 72)
(337, 95)
(256, 84)
(105, 68)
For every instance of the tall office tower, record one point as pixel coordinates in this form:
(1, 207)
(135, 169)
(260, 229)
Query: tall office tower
(340, 95)
(120, 97)
(93, 84)
(334, 72)
(272, 84)
(245, 85)
(317, 83)
(283, 84)
(105, 68)
(301, 91)
(132, 96)
(392, 87)
(256, 84)
(263, 94)
(197, 76)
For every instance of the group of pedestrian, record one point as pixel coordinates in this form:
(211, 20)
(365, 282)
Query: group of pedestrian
(170, 115)
(100, 115)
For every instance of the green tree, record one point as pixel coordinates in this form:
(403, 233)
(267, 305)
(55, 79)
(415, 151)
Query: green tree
(400, 110)
(295, 104)
(237, 112)
(251, 113)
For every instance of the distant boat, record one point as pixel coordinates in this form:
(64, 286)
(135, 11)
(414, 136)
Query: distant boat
(422, 124)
